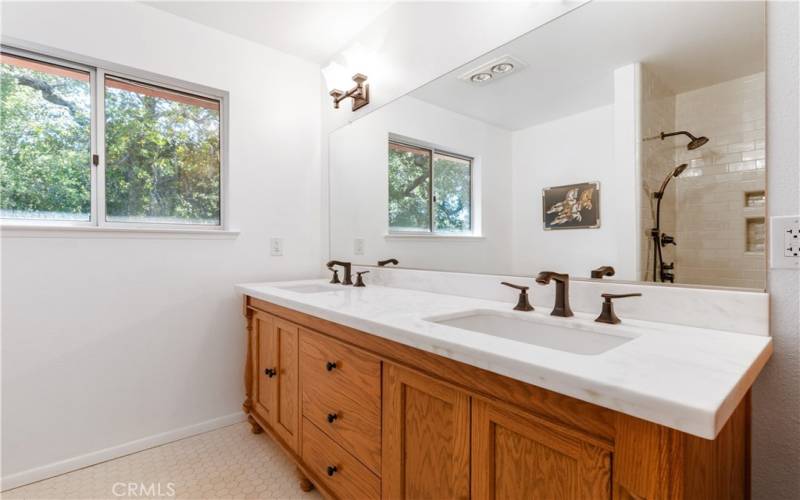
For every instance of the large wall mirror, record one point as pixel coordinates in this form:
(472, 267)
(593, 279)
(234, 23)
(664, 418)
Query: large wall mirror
(624, 138)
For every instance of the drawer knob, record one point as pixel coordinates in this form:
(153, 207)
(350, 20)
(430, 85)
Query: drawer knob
(332, 470)
(270, 372)
(330, 365)
(332, 417)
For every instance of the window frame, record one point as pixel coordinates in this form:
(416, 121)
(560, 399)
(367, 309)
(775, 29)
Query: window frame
(98, 70)
(432, 232)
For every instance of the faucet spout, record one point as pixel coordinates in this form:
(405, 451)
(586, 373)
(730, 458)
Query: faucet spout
(561, 307)
(603, 271)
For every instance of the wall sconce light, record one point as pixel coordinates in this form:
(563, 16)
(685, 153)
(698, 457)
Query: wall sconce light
(359, 93)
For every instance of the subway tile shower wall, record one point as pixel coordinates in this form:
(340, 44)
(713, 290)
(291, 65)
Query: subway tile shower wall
(715, 208)
(719, 225)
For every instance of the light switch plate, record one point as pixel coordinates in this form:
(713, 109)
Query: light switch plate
(784, 244)
(358, 246)
(276, 247)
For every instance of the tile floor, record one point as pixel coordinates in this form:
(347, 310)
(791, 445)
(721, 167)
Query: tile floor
(222, 464)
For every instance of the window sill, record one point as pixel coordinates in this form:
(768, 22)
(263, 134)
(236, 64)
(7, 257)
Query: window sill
(424, 236)
(56, 231)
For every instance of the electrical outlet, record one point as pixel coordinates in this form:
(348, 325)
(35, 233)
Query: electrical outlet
(785, 242)
(276, 247)
(358, 246)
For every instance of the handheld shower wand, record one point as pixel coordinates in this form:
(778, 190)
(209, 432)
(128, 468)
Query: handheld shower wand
(659, 239)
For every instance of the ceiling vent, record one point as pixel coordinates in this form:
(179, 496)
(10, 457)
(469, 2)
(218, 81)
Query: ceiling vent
(493, 70)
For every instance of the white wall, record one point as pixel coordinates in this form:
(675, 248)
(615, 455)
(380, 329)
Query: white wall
(776, 394)
(106, 341)
(577, 148)
(359, 188)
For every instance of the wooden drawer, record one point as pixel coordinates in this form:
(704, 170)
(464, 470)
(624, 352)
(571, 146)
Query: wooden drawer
(349, 479)
(349, 395)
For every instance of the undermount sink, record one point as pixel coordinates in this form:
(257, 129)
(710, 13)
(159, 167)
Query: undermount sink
(533, 331)
(310, 288)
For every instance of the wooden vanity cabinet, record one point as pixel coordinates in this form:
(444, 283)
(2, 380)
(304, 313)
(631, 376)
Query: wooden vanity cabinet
(517, 457)
(426, 436)
(276, 376)
(367, 418)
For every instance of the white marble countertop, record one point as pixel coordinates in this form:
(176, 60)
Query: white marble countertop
(689, 379)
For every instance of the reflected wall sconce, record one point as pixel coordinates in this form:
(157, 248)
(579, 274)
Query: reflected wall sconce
(359, 93)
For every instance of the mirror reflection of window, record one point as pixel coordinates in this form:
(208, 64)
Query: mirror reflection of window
(452, 190)
(429, 191)
(409, 188)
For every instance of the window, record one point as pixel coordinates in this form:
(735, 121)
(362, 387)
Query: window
(162, 155)
(91, 146)
(45, 141)
(430, 191)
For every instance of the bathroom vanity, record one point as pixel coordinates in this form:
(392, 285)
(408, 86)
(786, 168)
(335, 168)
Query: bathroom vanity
(588, 150)
(383, 392)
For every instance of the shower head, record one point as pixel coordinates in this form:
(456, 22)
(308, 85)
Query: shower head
(674, 173)
(695, 142)
(679, 169)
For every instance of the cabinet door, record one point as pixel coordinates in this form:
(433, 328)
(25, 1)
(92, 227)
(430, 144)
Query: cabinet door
(264, 388)
(426, 426)
(517, 457)
(286, 395)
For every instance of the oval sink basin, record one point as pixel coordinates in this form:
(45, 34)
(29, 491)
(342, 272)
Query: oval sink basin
(534, 331)
(311, 288)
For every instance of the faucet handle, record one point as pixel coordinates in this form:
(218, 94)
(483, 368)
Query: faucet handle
(518, 287)
(609, 296)
(523, 304)
(335, 278)
(607, 315)
(359, 279)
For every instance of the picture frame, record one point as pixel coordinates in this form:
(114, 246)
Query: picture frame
(571, 206)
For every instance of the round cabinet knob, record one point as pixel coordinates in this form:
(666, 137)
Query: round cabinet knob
(330, 365)
(270, 372)
(332, 417)
(332, 470)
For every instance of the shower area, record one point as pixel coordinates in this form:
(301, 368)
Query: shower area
(703, 169)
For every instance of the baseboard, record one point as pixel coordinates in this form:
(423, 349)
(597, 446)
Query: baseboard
(95, 457)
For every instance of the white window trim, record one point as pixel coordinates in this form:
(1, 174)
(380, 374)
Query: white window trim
(475, 232)
(97, 69)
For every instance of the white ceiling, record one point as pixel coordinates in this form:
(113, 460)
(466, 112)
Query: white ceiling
(311, 30)
(570, 62)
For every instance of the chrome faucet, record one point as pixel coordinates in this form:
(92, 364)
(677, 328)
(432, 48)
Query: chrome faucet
(348, 277)
(561, 307)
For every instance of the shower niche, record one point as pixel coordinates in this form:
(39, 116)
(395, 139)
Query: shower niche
(671, 130)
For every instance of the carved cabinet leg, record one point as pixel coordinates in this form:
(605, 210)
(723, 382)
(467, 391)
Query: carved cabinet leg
(255, 428)
(305, 484)
(248, 365)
